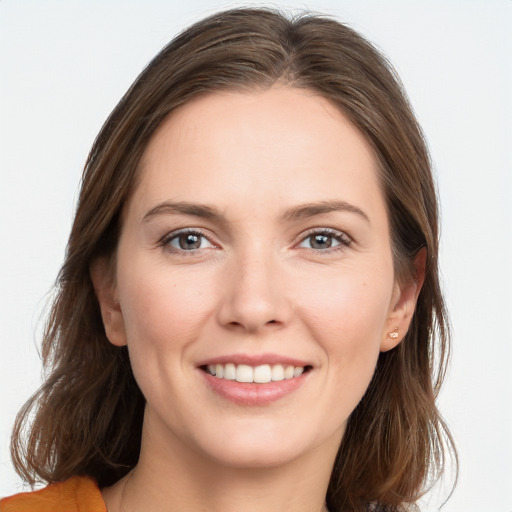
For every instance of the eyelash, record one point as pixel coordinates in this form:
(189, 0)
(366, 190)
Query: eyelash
(165, 242)
(342, 238)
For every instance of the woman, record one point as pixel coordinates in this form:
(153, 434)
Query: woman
(249, 314)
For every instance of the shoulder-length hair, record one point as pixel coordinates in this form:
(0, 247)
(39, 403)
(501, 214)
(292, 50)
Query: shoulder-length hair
(87, 416)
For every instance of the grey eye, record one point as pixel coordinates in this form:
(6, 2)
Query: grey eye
(189, 241)
(320, 241)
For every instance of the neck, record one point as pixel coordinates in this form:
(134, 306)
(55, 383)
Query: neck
(187, 481)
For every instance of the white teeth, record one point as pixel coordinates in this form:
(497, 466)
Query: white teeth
(277, 372)
(230, 371)
(244, 373)
(259, 374)
(262, 374)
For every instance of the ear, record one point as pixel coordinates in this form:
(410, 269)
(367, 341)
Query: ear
(111, 313)
(403, 305)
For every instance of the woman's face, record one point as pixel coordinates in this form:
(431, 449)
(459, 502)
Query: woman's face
(255, 247)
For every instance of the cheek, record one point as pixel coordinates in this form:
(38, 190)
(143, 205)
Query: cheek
(163, 313)
(347, 318)
(163, 308)
(347, 323)
(348, 305)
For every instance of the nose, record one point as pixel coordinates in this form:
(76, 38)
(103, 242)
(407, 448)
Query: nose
(254, 295)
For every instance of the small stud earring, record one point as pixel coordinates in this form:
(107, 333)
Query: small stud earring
(393, 334)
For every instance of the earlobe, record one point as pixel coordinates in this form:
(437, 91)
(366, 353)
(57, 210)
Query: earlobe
(111, 313)
(403, 305)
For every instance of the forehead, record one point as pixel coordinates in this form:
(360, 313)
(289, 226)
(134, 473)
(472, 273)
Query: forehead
(283, 142)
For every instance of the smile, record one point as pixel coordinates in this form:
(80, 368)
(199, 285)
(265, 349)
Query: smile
(261, 374)
(255, 379)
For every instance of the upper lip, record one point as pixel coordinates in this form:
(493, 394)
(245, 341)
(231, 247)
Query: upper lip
(255, 360)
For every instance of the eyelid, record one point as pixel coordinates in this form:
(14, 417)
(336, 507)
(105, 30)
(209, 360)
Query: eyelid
(164, 241)
(342, 237)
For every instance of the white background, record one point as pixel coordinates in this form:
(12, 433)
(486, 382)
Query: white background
(65, 64)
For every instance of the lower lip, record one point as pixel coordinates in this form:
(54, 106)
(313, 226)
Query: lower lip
(250, 393)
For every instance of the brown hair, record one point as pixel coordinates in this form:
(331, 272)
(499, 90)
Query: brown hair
(88, 413)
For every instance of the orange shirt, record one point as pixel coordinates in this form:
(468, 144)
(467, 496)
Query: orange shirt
(78, 494)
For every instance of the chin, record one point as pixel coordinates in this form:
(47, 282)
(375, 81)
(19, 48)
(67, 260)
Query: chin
(265, 446)
(256, 457)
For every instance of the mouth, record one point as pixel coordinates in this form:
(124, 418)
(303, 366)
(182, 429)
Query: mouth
(255, 379)
(260, 374)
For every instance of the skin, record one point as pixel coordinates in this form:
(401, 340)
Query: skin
(256, 285)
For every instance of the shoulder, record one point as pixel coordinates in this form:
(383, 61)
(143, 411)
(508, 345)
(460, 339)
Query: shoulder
(78, 494)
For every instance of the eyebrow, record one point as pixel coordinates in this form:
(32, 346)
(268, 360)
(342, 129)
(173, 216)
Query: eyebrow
(303, 211)
(311, 209)
(183, 208)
